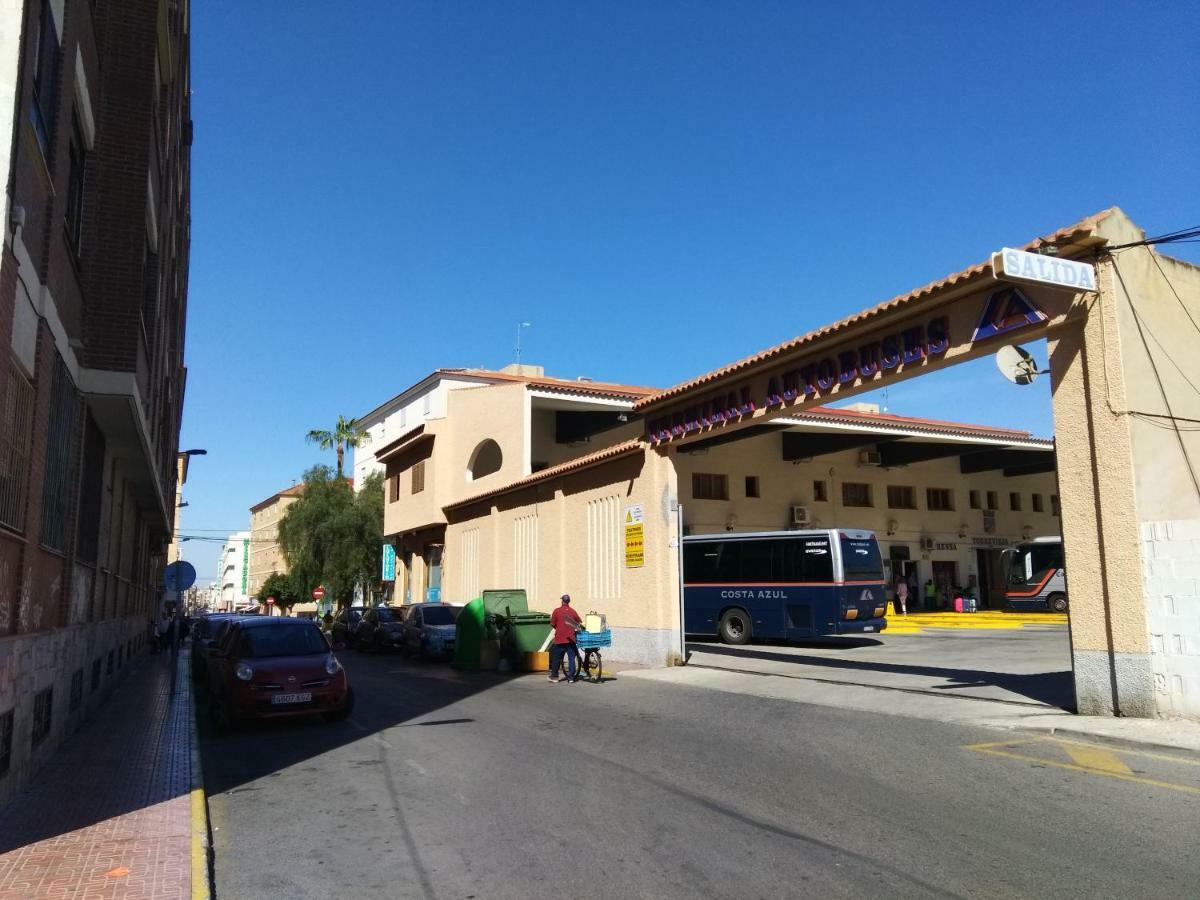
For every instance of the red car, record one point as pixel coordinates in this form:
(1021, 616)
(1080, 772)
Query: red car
(270, 667)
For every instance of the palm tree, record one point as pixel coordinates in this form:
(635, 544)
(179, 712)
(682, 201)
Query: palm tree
(347, 433)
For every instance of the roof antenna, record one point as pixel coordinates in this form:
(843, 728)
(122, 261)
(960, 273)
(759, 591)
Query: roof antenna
(520, 325)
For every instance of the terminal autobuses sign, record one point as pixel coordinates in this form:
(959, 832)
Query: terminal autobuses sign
(846, 365)
(876, 357)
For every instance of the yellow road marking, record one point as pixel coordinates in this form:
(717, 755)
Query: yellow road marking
(1098, 763)
(1097, 758)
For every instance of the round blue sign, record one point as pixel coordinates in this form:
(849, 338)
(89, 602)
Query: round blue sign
(179, 576)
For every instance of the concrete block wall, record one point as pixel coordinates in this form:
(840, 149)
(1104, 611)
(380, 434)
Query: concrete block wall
(30, 663)
(1171, 551)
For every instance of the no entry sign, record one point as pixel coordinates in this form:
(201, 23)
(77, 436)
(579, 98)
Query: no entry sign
(318, 593)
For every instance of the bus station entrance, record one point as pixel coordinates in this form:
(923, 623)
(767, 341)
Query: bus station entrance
(1120, 321)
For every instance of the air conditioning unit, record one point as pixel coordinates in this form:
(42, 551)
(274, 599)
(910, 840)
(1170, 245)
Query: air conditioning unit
(799, 515)
(870, 458)
(926, 543)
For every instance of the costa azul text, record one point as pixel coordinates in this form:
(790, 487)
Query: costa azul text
(753, 595)
(872, 359)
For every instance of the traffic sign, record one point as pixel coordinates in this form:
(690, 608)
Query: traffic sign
(318, 593)
(179, 576)
(270, 601)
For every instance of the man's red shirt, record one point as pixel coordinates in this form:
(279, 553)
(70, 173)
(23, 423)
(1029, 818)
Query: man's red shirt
(561, 621)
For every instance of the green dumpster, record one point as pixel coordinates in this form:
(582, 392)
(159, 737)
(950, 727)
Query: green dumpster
(469, 635)
(527, 632)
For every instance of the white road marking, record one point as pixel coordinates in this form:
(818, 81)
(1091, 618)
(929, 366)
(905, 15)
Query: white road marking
(416, 765)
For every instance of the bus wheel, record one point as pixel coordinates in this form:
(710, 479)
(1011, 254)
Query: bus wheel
(1057, 603)
(735, 627)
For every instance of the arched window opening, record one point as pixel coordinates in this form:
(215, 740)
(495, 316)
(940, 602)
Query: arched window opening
(485, 460)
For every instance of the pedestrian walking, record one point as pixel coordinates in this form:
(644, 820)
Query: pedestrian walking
(930, 595)
(565, 622)
(902, 595)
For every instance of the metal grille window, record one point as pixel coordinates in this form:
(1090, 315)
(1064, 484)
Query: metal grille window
(60, 434)
(43, 713)
(6, 734)
(855, 494)
(76, 690)
(820, 492)
(1014, 501)
(709, 487)
(752, 486)
(901, 496)
(939, 499)
(993, 500)
(15, 429)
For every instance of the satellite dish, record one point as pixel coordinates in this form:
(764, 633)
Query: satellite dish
(1017, 364)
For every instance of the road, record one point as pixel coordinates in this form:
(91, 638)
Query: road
(452, 786)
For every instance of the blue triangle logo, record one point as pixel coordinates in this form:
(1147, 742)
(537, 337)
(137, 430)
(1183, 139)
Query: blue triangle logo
(1007, 309)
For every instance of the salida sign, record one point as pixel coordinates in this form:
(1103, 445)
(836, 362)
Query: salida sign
(812, 379)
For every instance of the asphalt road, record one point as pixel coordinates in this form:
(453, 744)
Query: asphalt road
(451, 786)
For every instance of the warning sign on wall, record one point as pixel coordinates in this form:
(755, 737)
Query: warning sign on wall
(635, 545)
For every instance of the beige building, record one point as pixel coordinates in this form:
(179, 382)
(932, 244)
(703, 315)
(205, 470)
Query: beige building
(265, 553)
(1123, 375)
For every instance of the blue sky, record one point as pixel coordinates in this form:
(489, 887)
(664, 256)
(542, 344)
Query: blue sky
(660, 188)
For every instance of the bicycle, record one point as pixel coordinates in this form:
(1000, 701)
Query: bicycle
(589, 663)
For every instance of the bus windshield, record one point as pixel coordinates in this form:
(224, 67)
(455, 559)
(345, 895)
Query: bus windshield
(861, 560)
(1030, 562)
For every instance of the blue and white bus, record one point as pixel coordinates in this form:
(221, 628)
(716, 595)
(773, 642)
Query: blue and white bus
(783, 585)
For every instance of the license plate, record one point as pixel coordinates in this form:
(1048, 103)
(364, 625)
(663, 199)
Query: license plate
(868, 628)
(291, 698)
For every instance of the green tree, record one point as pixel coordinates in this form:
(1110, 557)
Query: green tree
(333, 536)
(346, 433)
(281, 588)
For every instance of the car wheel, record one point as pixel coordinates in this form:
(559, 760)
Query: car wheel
(339, 715)
(735, 627)
(1057, 603)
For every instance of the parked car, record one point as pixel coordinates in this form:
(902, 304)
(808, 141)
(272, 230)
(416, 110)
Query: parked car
(269, 667)
(429, 629)
(381, 628)
(205, 630)
(345, 625)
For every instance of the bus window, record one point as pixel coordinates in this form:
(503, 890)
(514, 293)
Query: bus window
(1030, 562)
(817, 560)
(712, 562)
(861, 560)
(756, 561)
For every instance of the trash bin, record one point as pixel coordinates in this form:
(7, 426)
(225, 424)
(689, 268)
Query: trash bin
(527, 632)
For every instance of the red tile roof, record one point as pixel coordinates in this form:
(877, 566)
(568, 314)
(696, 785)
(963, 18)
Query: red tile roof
(294, 491)
(564, 385)
(1082, 229)
(888, 421)
(570, 465)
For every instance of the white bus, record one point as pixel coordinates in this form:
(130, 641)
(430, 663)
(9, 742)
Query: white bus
(1037, 578)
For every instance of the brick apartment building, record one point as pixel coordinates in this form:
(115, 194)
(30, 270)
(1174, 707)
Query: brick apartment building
(95, 135)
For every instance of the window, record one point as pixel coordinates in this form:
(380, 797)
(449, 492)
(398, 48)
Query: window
(973, 499)
(60, 458)
(939, 499)
(76, 690)
(77, 161)
(418, 477)
(16, 425)
(901, 497)
(149, 288)
(6, 734)
(87, 540)
(394, 487)
(1055, 509)
(95, 673)
(752, 486)
(820, 492)
(789, 560)
(45, 78)
(108, 669)
(1014, 501)
(486, 459)
(993, 500)
(855, 494)
(1037, 503)
(709, 487)
(427, 405)
(43, 712)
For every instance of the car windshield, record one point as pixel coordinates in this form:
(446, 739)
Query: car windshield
(282, 640)
(388, 615)
(438, 615)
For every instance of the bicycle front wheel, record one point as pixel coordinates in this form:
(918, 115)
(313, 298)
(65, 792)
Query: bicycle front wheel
(593, 666)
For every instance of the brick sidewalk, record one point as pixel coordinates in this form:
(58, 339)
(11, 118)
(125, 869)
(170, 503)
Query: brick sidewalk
(110, 816)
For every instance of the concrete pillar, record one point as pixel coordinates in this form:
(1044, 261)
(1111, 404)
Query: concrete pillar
(1101, 535)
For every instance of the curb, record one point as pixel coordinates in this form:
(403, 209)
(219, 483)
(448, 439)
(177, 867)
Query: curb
(200, 843)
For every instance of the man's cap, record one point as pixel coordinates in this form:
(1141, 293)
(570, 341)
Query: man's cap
(565, 598)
